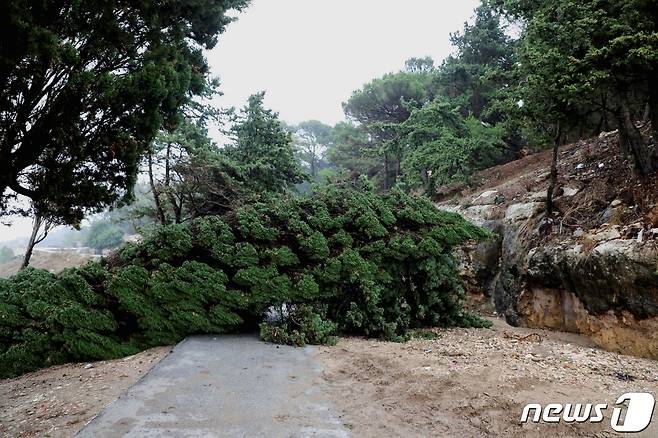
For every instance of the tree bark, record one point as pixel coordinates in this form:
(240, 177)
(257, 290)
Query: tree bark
(156, 195)
(631, 141)
(425, 179)
(386, 170)
(653, 107)
(36, 226)
(553, 178)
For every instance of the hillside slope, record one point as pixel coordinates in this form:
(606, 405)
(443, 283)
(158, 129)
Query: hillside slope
(53, 261)
(591, 267)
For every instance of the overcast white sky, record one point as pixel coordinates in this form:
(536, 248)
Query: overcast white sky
(309, 55)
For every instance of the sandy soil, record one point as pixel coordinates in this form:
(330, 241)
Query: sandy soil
(59, 401)
(52, 261)
(475, 382)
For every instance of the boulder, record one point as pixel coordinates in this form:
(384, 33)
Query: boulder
(485, 198)
(518, 212)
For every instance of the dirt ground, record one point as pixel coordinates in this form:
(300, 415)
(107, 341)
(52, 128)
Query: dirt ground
(58, 401)
(475, 382)
(52, 261)
(462, 383)
(593, 167)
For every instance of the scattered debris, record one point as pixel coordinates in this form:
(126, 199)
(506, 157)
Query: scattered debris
(436, 396)
(624, 377)
(534, 337)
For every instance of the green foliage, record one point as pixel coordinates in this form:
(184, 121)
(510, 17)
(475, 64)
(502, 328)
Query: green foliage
(344, 260)
(444, 147)
(262, 158)
(431, 125)
(475, 78)
(300, 325)
(103, 235)
(586, 62)
(312, 139)
(86, 85)
(353, 150)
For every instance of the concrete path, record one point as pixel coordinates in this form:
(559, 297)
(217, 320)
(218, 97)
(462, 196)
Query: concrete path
(228, 386)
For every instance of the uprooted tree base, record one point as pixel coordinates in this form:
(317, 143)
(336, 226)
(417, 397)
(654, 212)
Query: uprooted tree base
(343, 261)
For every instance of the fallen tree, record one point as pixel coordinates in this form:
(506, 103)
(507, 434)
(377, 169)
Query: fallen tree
(342, 261)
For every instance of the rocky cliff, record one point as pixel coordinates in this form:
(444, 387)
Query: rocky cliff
(591, 267)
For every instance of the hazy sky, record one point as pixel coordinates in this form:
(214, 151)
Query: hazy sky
(309, 55)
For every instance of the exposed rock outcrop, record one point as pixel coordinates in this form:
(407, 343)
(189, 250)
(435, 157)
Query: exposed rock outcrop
(591, 268)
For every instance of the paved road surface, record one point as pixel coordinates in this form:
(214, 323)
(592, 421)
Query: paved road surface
(228, 386)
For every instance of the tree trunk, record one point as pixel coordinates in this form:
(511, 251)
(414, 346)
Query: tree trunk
(313, 169)
(387, 170)
(179, 212)
(36, 225)
(156, 195)
(631, 141)
(398, 167)
(606, 121)
(653, 107)
(425, 179)
(553, 179)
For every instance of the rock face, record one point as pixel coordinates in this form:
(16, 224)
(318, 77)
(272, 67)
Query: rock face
(595, 283)
(591, 267)
(599, 285)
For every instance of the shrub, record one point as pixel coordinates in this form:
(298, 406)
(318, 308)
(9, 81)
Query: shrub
(342, 261)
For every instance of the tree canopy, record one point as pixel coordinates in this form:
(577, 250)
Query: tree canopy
(262, 155)
(85, 87)
(590, 58)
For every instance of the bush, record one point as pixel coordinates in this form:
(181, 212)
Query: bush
(103, 235)
(342, 261)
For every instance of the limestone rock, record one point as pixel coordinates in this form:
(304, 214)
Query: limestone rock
(517, 212)
(485, 198)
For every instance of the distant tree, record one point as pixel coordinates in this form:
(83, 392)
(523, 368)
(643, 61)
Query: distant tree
(84, 88)
(104, 234)
(354, 151)
(381, 105)
(168, 162)
(419, 65)
(312, 138)
(262, 155)
(190, 176)
(443, 147)
(482, 69)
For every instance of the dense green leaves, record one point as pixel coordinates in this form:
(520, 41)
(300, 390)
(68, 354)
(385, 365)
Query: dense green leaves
(444, 148)
(343, 260)
(262, 157)
(86, 85)
(590, 65)
(421, 126)
(103, 235)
